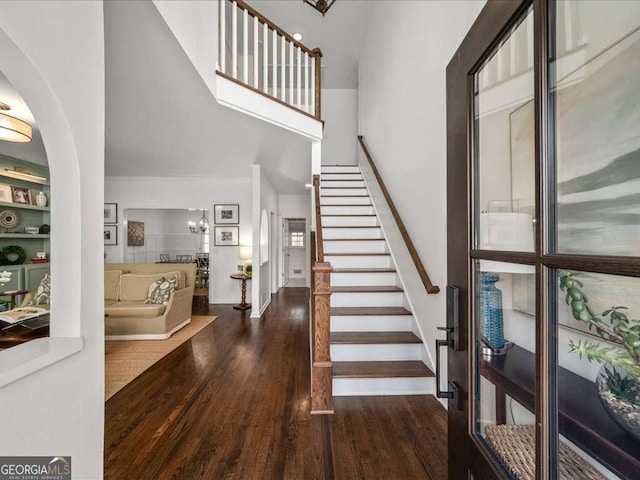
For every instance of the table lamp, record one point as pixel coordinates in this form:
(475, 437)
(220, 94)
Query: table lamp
(246, 255)
(505, 231)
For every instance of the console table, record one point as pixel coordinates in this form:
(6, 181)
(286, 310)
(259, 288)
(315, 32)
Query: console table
(581, 417)
(243, 305)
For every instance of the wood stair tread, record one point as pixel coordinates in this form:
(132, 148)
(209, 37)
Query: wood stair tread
(373, 338)
(364, 270)
(353, 239)
(407, 368)
(348, 215)
(346, 205)
(355, 254)
(368, 311)
(348, 226)
(367, 289)
(343, 188)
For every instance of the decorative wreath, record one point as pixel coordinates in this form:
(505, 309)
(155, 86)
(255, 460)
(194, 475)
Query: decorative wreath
(12, 255)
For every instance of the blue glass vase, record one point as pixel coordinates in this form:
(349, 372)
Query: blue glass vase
(491, 319)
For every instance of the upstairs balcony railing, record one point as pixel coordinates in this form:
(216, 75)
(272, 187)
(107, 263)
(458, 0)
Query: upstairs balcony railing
(258, 54)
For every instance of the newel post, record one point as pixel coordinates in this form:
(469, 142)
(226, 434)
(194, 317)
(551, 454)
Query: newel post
(322, 383)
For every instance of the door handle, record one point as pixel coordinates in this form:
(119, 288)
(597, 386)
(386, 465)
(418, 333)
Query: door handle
(453, 394)
(452, 341)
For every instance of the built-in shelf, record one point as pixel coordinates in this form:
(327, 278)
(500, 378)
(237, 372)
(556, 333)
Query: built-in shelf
(22, 177)
(24, 235)
(24, 206)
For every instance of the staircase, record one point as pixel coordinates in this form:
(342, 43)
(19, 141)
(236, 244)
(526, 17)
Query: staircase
(373, 345)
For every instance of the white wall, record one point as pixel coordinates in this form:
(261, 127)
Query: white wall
(340, 115)
(181, 193)
(60, 408)
(402, 114)
(265, 199)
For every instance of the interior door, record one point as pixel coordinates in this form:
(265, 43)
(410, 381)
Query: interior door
(285, 252)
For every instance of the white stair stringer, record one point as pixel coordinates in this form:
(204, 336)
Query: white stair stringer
(374, 348)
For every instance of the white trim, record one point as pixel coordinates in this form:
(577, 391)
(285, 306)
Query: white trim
(144, 336)
(22, 360)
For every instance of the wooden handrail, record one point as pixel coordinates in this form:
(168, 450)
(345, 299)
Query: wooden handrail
(316, 187)
(254, 13)
(424, 276)
(318, 74)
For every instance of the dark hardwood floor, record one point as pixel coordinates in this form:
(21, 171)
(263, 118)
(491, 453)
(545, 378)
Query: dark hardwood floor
(233, 403)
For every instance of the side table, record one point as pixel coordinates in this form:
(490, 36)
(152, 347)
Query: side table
(243, 305)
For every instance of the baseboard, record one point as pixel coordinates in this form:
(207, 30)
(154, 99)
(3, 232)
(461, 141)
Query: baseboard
(151, 336)
(226, 301)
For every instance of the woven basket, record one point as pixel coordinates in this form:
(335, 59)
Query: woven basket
(514, 445)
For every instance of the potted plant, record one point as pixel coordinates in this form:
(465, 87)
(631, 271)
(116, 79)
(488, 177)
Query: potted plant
(618, 381)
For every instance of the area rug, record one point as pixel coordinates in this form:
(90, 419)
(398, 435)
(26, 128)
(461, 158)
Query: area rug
(125, 360)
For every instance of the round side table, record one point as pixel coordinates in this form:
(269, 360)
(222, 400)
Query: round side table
(243, 305)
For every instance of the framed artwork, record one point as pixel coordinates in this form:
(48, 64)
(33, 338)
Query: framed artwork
(226, 236)
(226, 214)
(135, 234)
(21, 195)
(110, 213)
(111, 235)
(5, 194)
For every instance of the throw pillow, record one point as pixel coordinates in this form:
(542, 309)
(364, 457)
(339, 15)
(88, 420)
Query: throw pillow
(43, 293)
(160, 290)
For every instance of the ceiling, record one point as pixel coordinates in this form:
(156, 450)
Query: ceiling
(162, 120)
(32, 151)
(339, 33)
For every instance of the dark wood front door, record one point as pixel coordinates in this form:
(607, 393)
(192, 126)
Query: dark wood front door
(543, 170)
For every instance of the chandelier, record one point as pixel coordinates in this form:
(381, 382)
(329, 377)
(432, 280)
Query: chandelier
(322, 6)
(201, 227)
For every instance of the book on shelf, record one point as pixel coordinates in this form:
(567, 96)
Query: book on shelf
(21, 314)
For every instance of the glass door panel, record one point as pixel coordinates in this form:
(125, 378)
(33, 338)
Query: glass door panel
(504, 380)
(594, 84)
(599, 372)
(504, 144)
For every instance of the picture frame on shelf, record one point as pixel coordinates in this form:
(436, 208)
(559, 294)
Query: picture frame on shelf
(111, 235)
(21, 195)
(226, 214)
(110, 213)
(227, 236)
(5, 194)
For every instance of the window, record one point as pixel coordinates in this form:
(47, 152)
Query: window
(297, 239)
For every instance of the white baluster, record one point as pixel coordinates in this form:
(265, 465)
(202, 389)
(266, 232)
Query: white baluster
(265, 58)
(291, 62)
(299, 78)
(256, 53)
(312, 108)
(245, 47)
(306, 81)
(274, 64)
(234, 41)
(223, 39)
(283, 71)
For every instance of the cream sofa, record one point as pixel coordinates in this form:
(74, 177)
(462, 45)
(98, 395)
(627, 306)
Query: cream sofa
(127, 317)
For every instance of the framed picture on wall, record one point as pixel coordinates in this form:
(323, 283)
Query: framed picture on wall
(226, 214)
(110, 213)
(226, 236)
(5, 194)
(135, 234)
(111, 235)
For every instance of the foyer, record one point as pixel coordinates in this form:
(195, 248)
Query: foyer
(233, 402)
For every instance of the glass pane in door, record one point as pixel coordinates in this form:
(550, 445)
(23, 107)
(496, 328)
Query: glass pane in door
(598, 375)
(504, 197)
(595, 89)
(504, 377)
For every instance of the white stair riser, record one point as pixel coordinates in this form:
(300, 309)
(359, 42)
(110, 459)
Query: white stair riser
(347, 210)
(333, 233)
(365, 246)
(375, 353)
(333, 200)
(379, 261)
(348, 221)
(368, 299)
(341, 176)
(340, 169)
(371, 323)
(363, 279)
(340, 184)
(343, 387)
(338, 192)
